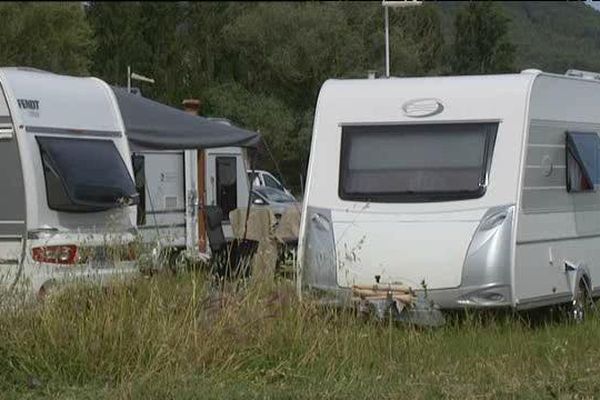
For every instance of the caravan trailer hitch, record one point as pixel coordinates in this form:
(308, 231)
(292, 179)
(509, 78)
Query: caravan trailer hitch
(401, 303)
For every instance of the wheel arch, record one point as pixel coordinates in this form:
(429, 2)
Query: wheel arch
(576, 273)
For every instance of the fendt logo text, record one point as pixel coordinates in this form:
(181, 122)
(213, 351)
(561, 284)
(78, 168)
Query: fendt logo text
(27, 104)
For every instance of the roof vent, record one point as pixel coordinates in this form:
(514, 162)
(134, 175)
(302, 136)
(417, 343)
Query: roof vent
(31, 69)
(220, 120)
(531, 71)
(419, 108)
(583, 74)
(372, 74)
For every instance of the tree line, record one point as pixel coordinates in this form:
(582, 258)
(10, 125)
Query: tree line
(259, 64)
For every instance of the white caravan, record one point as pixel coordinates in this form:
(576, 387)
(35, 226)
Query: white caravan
(171, 209)
(66, 180)
(188, 168)
(483, 189)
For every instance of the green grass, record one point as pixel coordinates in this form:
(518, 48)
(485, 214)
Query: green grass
(170, 337)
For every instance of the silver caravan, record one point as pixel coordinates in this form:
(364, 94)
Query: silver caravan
(481, 189)
(66, 180)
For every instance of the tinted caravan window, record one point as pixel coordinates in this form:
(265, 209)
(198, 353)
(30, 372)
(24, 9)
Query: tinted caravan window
(411, 163)
(12, 199)
(226, 185)
(582, 161)
(84, 175)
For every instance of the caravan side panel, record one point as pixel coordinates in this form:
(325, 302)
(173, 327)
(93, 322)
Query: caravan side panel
(165, 199)
(556, 226)
(12, 197)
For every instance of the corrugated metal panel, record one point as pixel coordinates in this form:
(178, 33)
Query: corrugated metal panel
(544, 189)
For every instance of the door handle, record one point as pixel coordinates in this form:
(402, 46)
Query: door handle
(321, 222)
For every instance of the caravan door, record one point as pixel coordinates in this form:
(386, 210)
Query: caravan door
(161, 214)
(171, 208)
(226, 182)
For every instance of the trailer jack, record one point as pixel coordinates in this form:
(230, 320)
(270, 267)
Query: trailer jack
(405, 307)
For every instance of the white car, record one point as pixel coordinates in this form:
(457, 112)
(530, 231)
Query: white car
(260, 178)
(277, 200)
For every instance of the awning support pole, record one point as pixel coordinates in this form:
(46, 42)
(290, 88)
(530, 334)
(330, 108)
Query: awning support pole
(128, 79)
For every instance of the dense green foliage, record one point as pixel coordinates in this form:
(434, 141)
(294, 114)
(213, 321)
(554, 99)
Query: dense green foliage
(480, 43)
(550, 35)
(262, 64)
(56, 37)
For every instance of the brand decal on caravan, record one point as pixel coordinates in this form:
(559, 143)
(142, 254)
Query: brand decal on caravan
(28, 104)
(419, 108)
(31, 106)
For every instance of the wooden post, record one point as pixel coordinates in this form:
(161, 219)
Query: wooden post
(202, 239)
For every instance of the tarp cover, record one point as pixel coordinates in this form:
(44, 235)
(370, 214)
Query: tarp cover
(152, 125)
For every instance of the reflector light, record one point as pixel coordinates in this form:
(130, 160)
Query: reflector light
(55, 254)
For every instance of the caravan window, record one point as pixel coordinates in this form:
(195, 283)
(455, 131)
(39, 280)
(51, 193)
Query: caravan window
(84, 175)
(412, 163)
(582, 161)
(226, 185)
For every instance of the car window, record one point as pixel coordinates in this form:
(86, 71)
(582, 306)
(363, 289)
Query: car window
(271, 182)
(276, 195)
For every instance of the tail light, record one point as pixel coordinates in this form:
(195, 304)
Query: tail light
(486, 275)
(131, 254)
(55, 254)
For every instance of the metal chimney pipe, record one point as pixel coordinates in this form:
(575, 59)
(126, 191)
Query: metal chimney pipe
(192, 106)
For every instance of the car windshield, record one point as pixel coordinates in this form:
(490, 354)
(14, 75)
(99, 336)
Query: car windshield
(275, 195)
(84, 175)
(271, 182)
(408, 163)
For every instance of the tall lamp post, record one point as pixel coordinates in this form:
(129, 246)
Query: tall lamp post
(386, 5)
(138, 77)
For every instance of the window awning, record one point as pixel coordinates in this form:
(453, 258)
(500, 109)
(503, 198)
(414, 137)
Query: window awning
(583, 147)
(153, 125)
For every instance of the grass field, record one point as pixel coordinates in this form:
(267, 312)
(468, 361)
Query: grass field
(170, 337)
